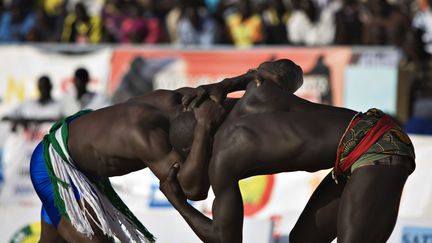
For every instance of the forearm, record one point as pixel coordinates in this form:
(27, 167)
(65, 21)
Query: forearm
(193, 176)
(237, 83)
(199, 223)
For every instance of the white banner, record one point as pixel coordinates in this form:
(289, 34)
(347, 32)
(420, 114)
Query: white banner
(21, 66)
(284, 197)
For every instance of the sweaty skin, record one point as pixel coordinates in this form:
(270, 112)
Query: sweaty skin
(131, 136)
(271, 131)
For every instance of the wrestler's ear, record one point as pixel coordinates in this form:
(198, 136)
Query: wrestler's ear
(258, 82)
(259, 79)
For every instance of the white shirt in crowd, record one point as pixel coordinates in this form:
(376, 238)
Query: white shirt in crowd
(32, 109)
(423, 20)
(91, 100)
(302, 31)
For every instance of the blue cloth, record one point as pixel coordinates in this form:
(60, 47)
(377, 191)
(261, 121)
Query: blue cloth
(15, 32)
(44, 189)
(418, 125)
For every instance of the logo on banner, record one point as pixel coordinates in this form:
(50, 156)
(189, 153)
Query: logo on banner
(256, 192)
(416, 235)
(28, 234)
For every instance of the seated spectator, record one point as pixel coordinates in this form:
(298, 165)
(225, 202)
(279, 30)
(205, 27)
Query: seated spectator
(423, 20)
(306, 27)
(414, 77)
(196, 27)
(212, 5)
(244, 26)
(349, 27)
(51, 6)
(172, 18)
(275, 17)
(112, 18)
(139, 29)
(16, 23)
(81, 97)
(79, 27)
(45, 29)
(385, 24)
(44, 109)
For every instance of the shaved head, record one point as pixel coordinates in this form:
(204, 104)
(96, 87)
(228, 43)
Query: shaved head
(287, 74)
(181, 132)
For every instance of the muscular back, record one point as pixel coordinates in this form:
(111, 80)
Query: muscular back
(275, 131)
(123, 138)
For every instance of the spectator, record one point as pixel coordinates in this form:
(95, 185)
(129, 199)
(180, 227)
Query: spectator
(44, 109)
(1, 8)
(195, 26)
(307, 27)
(140, 78)
(112, 18)
(172, 19)
(16, 23)
(349, 27)
(79, 27)
(44, 29)
(139, 29)
(245, 27)
(212, 5)
(51, 7)
(275, 17)
(82, 98)
(423, 20)
(415, 80)
(385, 24)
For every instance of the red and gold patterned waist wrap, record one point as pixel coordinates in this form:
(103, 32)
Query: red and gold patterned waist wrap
(370, 133)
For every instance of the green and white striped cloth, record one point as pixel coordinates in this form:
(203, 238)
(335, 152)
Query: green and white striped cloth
(113, 217)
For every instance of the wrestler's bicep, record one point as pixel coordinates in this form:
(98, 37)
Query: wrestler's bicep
(151, 144)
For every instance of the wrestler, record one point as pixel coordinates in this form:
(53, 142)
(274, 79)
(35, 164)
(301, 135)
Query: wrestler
(271, 131)
(69, 169)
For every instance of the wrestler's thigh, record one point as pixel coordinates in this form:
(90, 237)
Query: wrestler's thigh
(370, 202)
(70, 234)
(49, 234)
(317, 222)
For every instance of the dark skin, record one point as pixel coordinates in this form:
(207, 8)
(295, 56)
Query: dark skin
(304, 137)
(134, 135)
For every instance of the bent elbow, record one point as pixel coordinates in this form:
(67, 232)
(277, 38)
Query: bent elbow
(196, 193)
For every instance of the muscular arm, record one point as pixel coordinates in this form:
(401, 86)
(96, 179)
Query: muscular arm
(227, 223)
(218, 91)
(227, 212)
(237, 83)
(193, 175)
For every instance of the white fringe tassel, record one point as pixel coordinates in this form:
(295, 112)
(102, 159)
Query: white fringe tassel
(109, 220)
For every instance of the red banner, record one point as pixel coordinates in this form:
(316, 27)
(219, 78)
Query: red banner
(195, 67)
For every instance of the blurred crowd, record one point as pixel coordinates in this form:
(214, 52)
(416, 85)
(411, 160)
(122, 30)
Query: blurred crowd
(209, 22)
(243, 23)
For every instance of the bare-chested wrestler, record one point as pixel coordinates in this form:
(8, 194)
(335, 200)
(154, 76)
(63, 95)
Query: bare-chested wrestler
(69, 169)
(271, 130)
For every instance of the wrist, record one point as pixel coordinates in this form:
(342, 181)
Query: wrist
(204, 124)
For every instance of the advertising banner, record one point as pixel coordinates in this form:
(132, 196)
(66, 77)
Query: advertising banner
(171, 69)
(21, 66)
(371, 80)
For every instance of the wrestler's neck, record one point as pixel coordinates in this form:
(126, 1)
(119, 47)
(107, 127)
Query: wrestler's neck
(173, 111)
